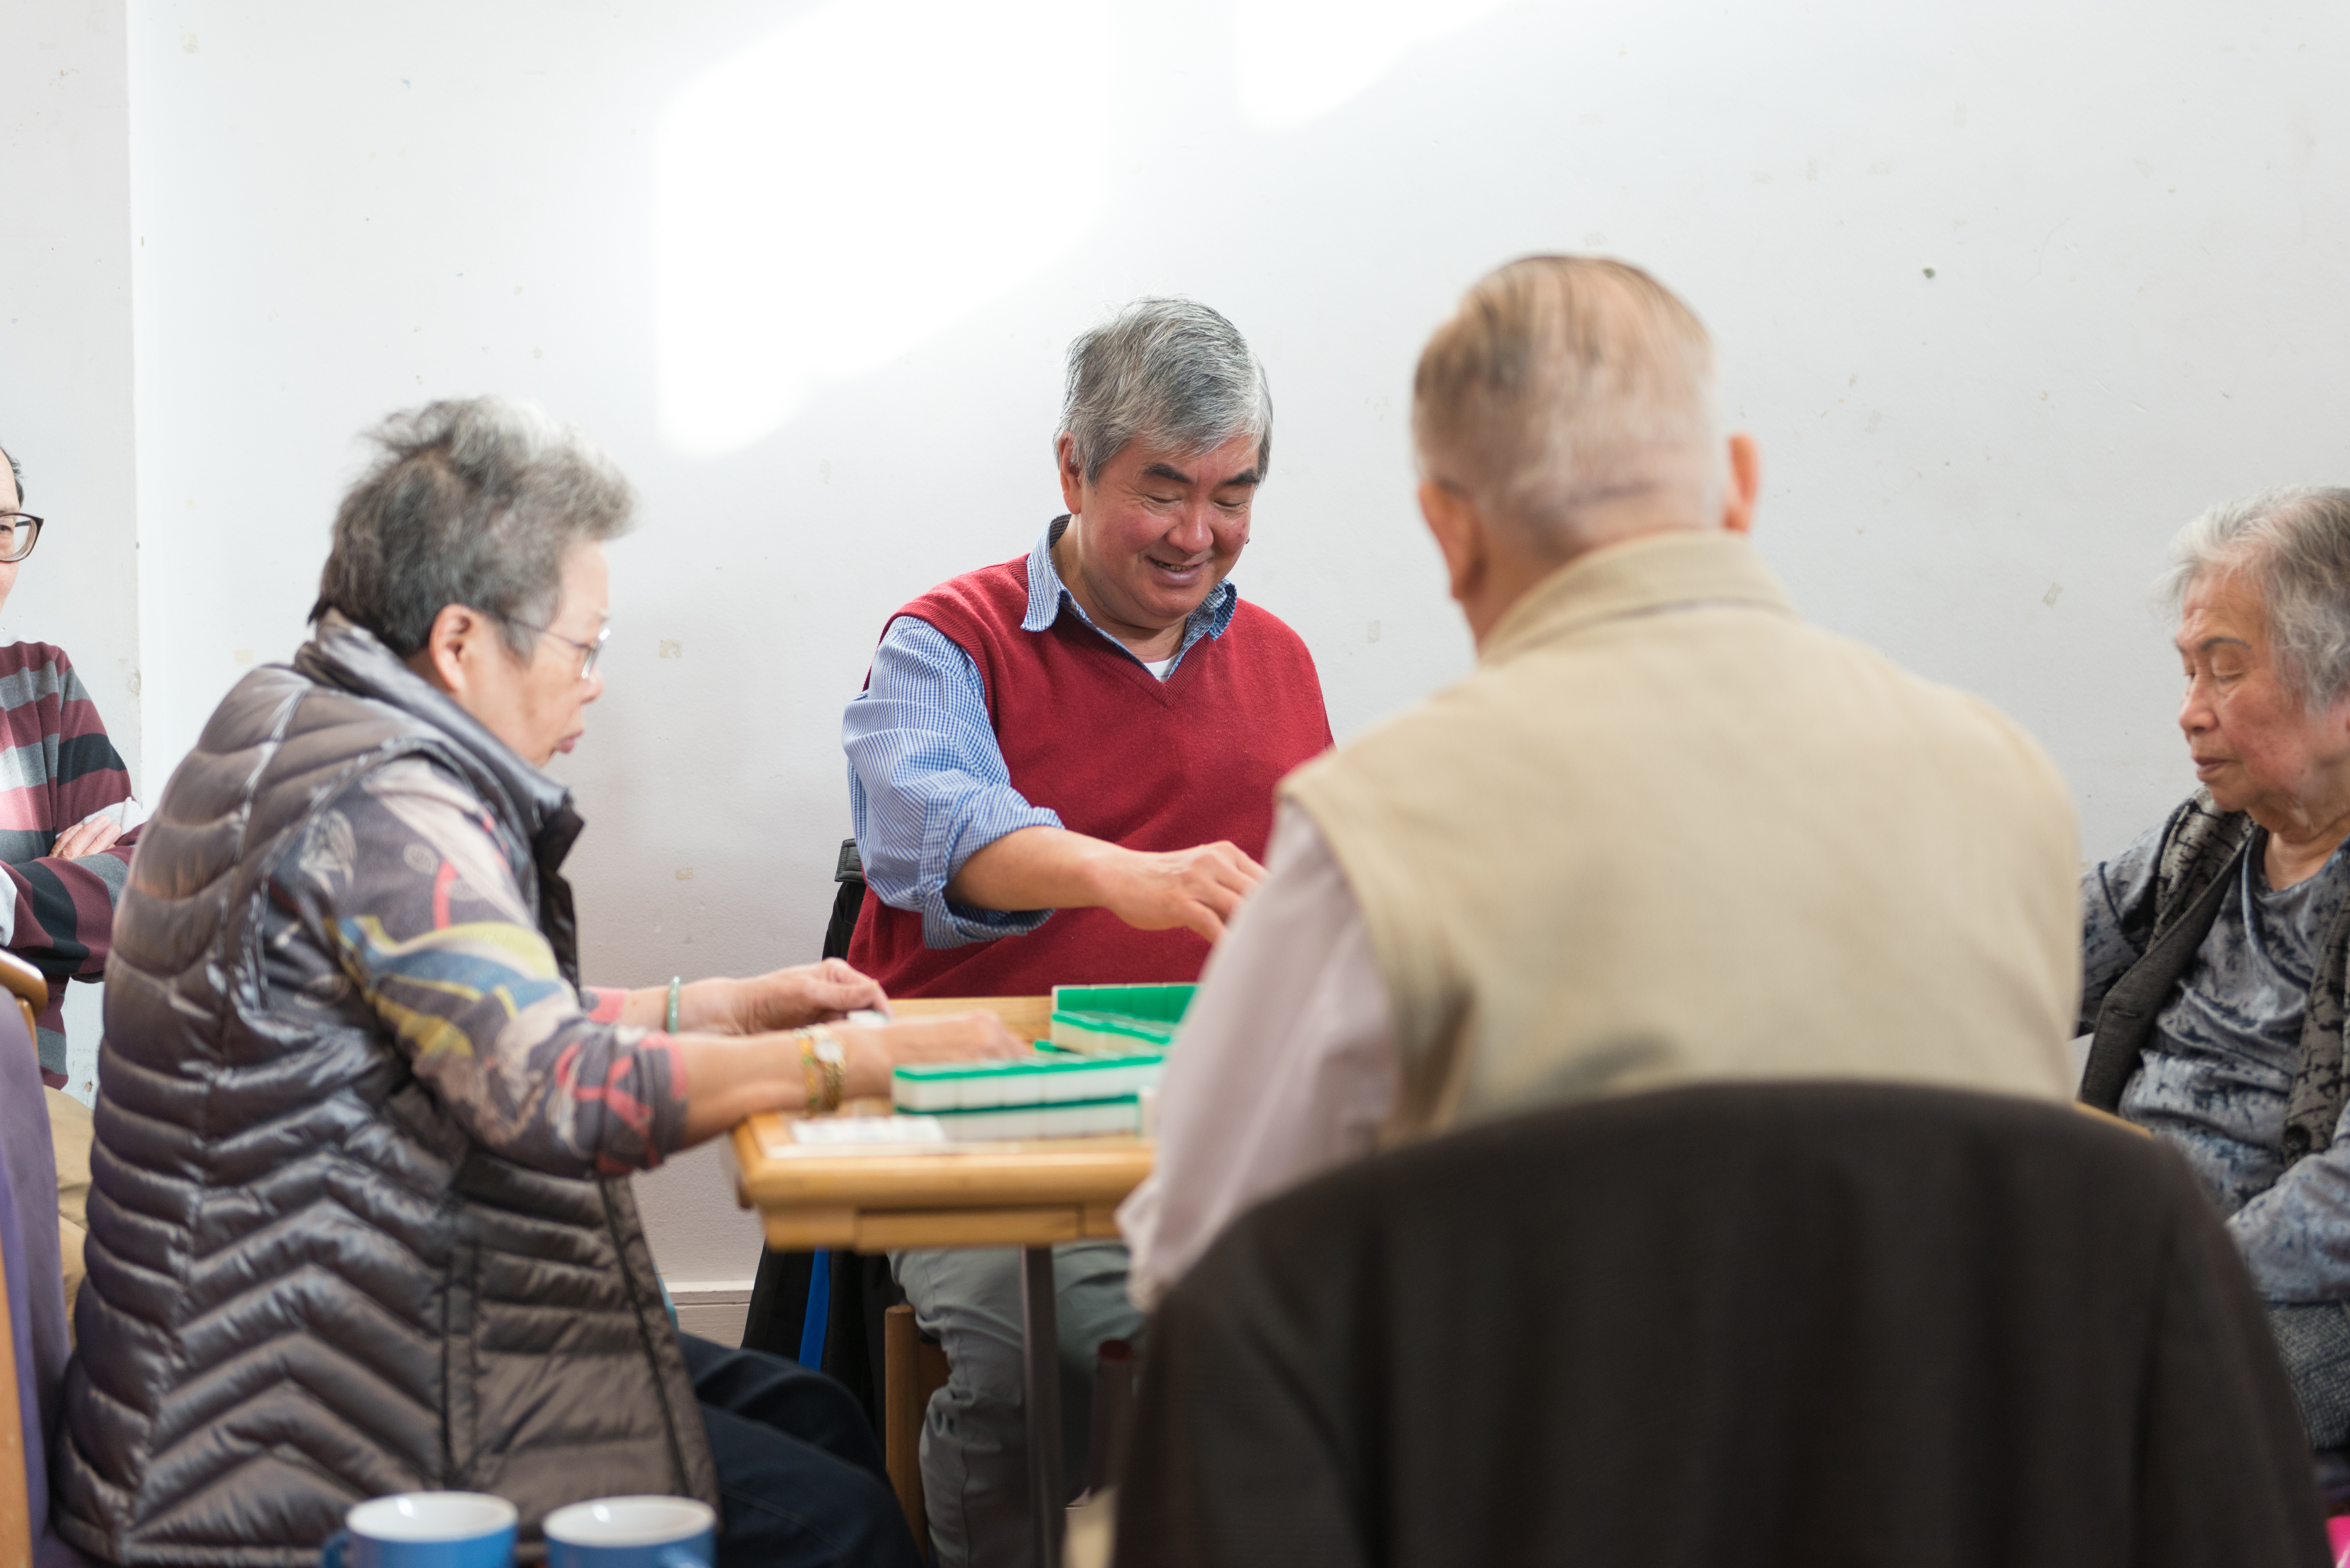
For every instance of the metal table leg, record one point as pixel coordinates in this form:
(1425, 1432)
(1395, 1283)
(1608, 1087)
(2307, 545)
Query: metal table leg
(1041, 1347)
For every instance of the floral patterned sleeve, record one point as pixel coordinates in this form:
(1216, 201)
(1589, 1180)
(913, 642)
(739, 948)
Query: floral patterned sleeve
(401, 901)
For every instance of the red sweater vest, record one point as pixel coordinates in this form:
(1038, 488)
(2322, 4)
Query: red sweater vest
(1122, 756)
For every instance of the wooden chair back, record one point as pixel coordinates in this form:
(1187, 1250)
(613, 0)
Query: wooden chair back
(29, 987)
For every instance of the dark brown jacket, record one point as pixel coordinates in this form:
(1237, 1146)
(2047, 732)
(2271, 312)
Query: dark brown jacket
(1760, 1324)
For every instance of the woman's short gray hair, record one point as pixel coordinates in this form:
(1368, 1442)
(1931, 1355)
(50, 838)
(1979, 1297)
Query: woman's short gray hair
(1168, 370)
(471, 503)
(2292, 545)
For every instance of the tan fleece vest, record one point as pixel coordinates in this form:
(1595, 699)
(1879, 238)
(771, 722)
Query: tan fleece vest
(1668, 831)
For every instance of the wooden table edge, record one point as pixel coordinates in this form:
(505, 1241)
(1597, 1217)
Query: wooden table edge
(1033, 1193)
(1040, 1170)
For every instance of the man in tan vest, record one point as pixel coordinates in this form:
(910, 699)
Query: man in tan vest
(1666, 832)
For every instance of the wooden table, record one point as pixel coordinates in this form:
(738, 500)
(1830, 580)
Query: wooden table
(1026, 1194)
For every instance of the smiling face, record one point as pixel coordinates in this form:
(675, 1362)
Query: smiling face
(1151, 537)
(2256, 745)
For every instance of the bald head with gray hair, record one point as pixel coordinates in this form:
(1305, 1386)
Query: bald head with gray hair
(1562, 387)
(1168, 372)
(2291, 546)
(473, 503)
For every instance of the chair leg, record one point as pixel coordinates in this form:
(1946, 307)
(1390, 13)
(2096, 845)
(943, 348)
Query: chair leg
(819, 1310)
(904, 1397)
(1115, 1373)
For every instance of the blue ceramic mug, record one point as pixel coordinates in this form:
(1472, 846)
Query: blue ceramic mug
(632, 1532)
(425, 1530)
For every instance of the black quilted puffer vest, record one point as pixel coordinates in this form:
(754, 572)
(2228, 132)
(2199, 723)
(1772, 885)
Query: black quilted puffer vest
(306, 1284)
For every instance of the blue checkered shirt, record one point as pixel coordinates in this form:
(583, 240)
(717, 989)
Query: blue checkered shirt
(928, 787)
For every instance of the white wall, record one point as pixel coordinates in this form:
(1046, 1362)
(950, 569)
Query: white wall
(809, 270)
(65, 341)
(65, 363)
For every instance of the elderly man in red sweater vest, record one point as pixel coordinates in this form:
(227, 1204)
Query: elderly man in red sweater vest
(1061, 771)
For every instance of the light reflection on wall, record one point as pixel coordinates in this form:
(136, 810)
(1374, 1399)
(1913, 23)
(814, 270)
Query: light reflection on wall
(1299, 59)
(838, 193)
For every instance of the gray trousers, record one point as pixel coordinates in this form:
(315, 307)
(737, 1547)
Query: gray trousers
(975, 1435)
(2315, 1344)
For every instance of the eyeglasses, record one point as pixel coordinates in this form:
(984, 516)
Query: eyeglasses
(19, 531)
(589, 652)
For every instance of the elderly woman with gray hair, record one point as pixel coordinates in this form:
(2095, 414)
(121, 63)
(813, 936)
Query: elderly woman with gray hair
(2215, 946)
(361, 1221)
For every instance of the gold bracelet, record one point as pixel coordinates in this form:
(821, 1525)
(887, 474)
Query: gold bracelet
(824, 1068)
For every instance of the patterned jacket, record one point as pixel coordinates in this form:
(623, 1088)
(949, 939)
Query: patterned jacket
(2202, 848)
(351, 1229)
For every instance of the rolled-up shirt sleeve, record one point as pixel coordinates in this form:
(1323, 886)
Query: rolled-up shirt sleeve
(403, 882)
(928, 785)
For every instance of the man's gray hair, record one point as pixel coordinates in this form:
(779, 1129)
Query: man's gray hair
(473, 503)
(1170, 372)
(2293, 546)
(1562, 386)
(17, 473)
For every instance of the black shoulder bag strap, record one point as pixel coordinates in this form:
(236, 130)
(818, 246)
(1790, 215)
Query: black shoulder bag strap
(2127, 1016)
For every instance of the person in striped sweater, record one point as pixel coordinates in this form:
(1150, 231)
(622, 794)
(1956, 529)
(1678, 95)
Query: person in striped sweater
(65, 794)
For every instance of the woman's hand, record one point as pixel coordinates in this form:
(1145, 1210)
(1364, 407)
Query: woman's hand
(872, 1052)
(732, 1079)
(780, 999)
(87, 837)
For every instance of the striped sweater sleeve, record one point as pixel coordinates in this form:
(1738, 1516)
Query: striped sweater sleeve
(58, 766)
